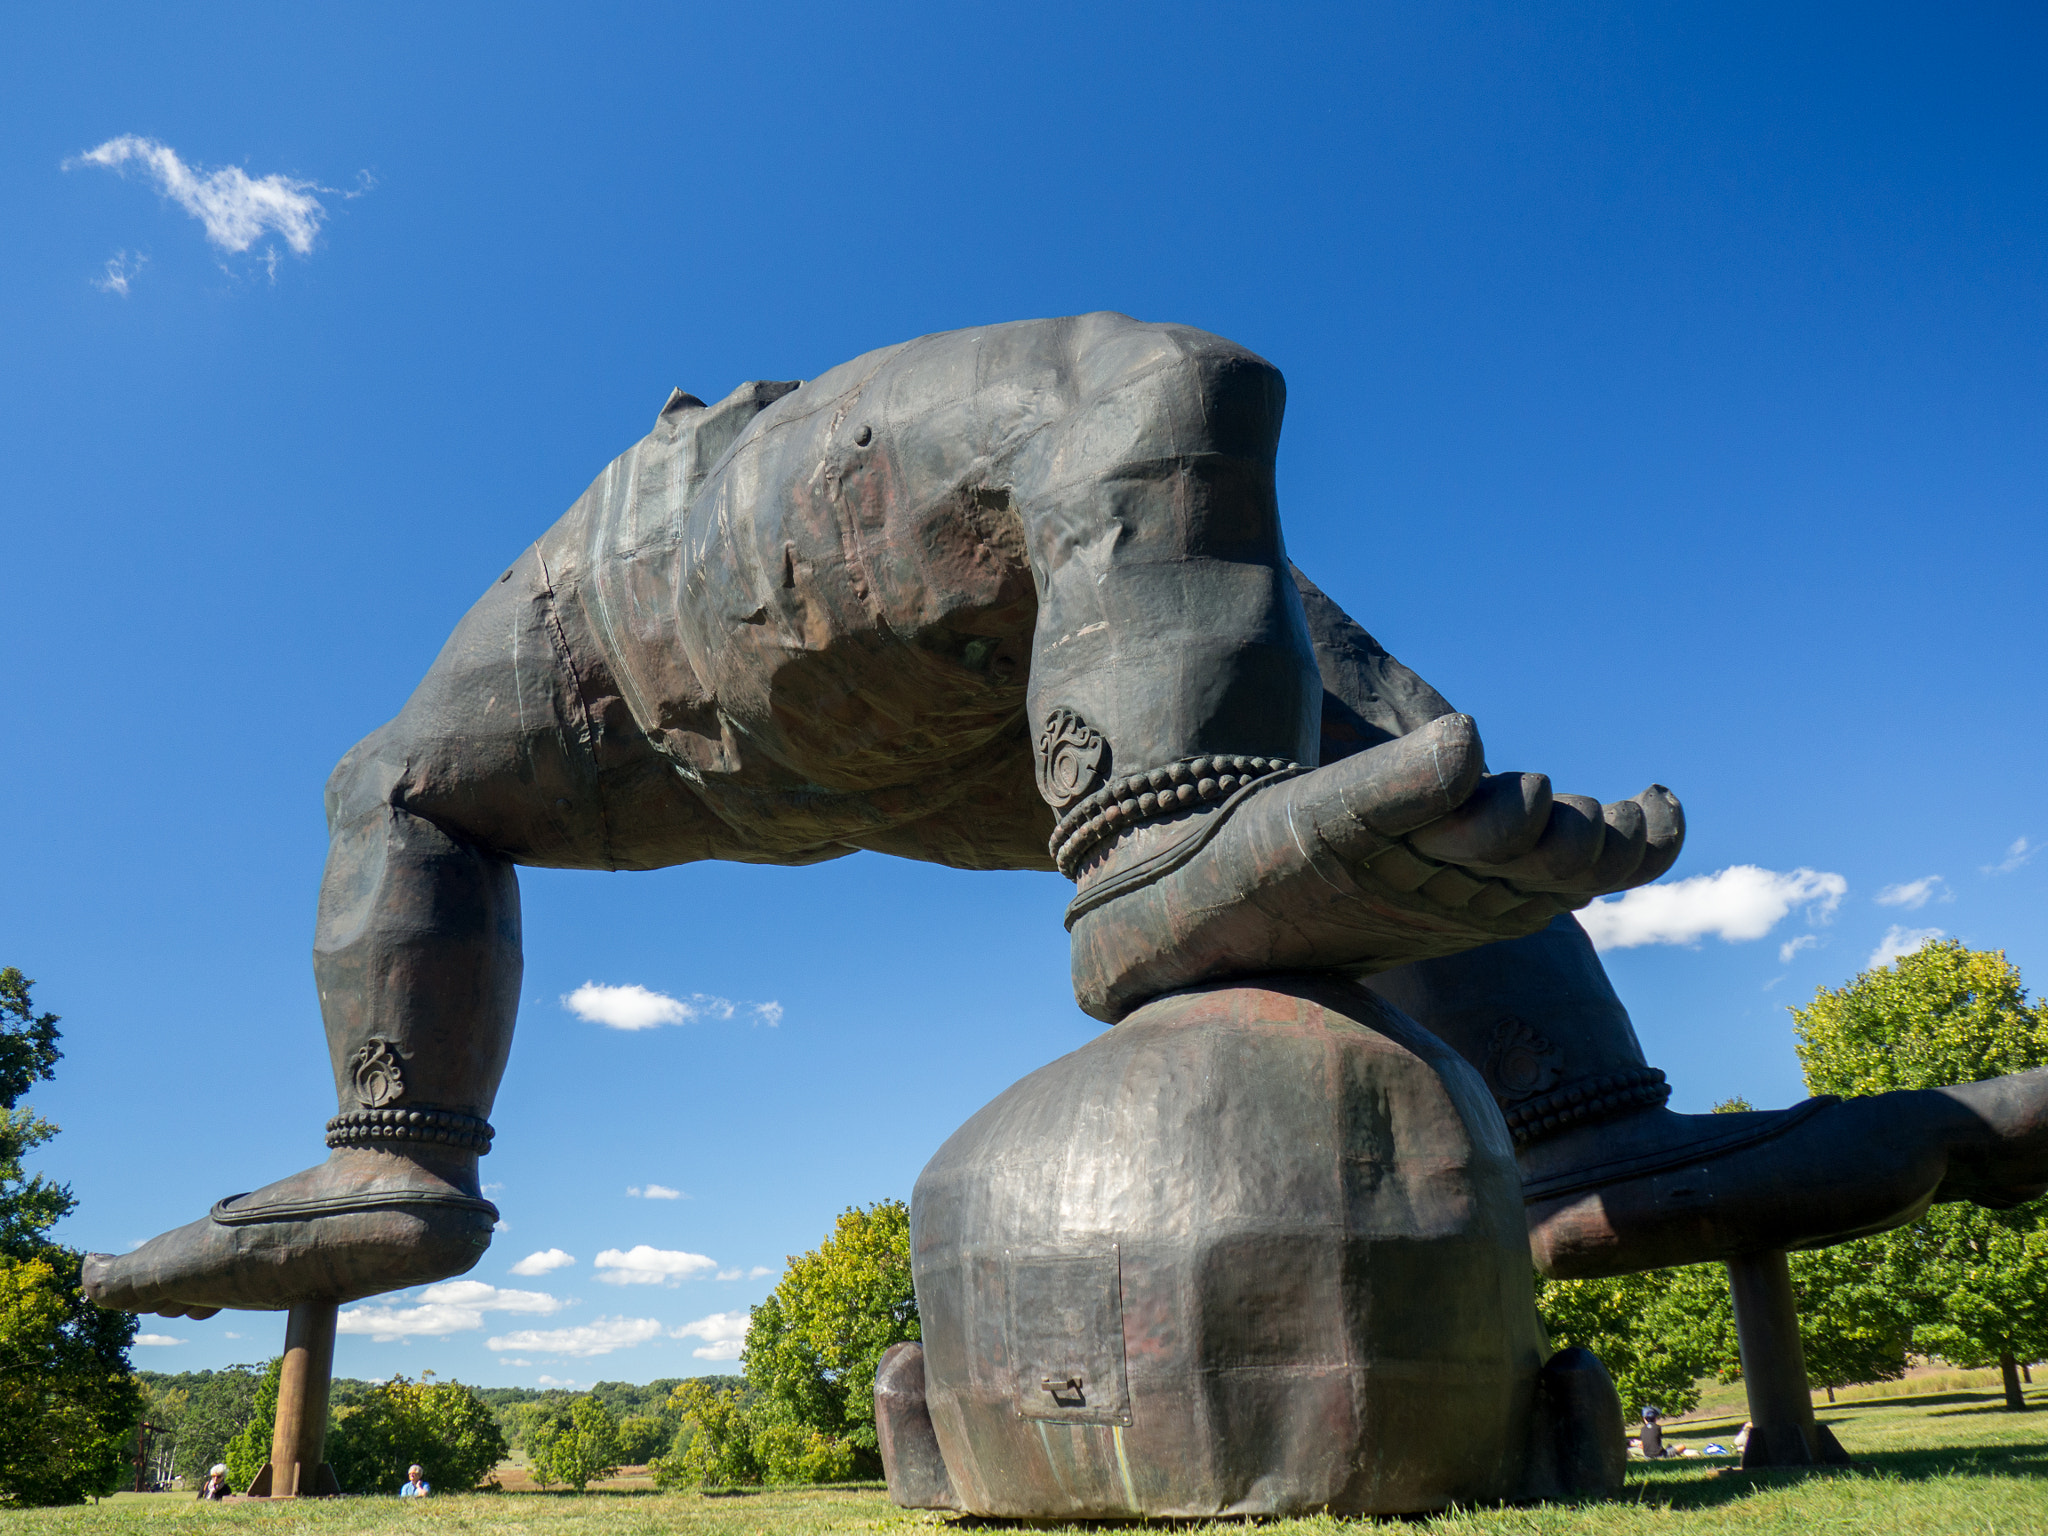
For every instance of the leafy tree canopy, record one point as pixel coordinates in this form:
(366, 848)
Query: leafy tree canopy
(1943, 1014)
(576, 1447)
(68, 1398)
(444, 1426)
(813, 1345)
(1972, 1284)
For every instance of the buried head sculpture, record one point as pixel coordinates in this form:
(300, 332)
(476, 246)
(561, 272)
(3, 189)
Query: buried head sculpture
(1017, 598)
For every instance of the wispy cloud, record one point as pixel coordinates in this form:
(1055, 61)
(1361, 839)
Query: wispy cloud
(122, 269)
(654, 1192)
(758, 1271)
(1792, 947)
(235, 207)
(453, 1306)
(2019, 853)
(1899, 941)
(642, 1265)
(156, 1340)
(563, 1382)
(1915, 894)
(545, 1262)
(1736, 904)
(724, 1335)
(595, 1338)
(638, 1007)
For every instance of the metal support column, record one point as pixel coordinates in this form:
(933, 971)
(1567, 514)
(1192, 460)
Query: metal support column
(1782, 1429)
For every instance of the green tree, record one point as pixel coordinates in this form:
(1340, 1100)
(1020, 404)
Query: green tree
(714, 1441)
(444, 1426)
(1972, 1282)
(68, 1397)
(813, 1346)
(576, 1448)
(1657, 1332)
(1854, 1324)
(642, 1437)
(218, 1408)
(249, 1448)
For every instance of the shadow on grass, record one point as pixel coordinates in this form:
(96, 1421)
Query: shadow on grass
(1687, 1486)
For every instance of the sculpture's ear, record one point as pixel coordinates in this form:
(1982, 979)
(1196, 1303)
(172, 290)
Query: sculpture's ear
(703, 432)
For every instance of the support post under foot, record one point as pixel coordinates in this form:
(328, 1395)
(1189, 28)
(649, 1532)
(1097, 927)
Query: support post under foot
(1782, 1429)
(298, 1468)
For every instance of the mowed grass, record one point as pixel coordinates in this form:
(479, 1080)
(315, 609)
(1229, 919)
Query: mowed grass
(1934, 1461)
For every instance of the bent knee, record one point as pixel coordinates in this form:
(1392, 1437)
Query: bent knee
(1213, 395)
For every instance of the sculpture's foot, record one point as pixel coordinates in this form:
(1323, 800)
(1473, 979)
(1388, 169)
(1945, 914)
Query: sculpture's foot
(362, 1222)
(2004, 1163)
(1404, 852)
(1655, 1188)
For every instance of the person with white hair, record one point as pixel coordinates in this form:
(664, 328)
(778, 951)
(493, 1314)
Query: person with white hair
(415, 1484)
(216, 1484)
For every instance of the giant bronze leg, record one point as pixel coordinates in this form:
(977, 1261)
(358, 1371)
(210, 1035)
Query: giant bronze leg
(1176, 708)
(1615, 1182)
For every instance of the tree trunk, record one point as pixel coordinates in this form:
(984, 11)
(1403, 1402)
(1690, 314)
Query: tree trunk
(1831, 1394)
(2010, 1369)
(2026, 1373)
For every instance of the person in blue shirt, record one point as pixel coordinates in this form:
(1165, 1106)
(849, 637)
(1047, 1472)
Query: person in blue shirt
(415, 1485)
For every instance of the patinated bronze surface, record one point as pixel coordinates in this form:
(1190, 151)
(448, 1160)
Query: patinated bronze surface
(1016, 597)
(1257, 1250)
(1013, 597)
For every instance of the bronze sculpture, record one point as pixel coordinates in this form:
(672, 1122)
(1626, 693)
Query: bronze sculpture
(1006, 598)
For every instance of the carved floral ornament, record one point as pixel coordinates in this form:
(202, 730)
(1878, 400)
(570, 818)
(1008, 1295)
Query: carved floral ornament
(376, 1074)
(1522, 1062)
(1070, 758)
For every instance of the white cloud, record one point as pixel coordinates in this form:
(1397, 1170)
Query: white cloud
(654, 1192)
(642, 1265)
(453, 1306)
(723, 1333)
(235, 207)
(1792, 947)
(1899, 941)
(231, 1335)
(1739, 903)
(505, 1360)
(2018, 854)
(626, 1007)
(1915, 894)
(732, 1274)
(545, 1262)
(122, 269)
(551, 1381)
(158, 1340)
(597, 1338)
(636, 1007)
(489, 1298)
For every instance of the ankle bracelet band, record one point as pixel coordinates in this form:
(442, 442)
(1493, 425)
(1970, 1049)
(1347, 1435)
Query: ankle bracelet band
(1141, 797)
(440, 1127)
(1599, 1098)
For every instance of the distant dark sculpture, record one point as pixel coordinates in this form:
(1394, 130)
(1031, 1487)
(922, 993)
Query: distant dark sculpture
(1008, 598)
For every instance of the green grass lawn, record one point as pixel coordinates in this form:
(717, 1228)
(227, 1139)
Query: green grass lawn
(1951, 1461)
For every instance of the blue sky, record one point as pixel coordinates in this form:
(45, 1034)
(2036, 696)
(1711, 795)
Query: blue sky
(1665, 384)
